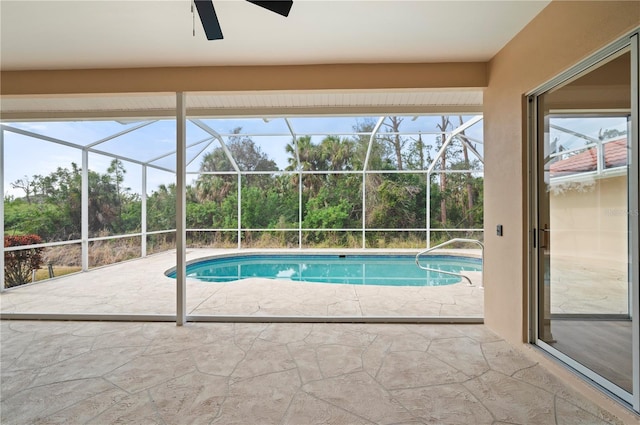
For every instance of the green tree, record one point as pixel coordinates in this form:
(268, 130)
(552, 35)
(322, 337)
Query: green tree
(161, 208)
(336, 154)
(117, 171)
(53, 210)
(310, 160)
(401, 200)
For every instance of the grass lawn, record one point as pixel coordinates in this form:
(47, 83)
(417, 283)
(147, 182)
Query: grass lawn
(43, 274)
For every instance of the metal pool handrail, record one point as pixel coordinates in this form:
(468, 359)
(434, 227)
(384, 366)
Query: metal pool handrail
(450, 241)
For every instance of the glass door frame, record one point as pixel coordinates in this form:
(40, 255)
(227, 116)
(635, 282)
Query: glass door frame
(536, 127)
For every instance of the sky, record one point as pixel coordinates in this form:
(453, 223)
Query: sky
(588, 126)
(27, 156)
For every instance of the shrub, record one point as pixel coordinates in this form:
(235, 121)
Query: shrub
(18, 265)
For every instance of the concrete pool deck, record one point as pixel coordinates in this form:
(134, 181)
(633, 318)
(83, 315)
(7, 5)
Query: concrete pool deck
(141, 287)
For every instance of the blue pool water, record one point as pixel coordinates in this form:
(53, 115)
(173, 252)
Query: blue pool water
(391, 270)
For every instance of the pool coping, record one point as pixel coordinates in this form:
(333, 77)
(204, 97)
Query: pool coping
(469, 253)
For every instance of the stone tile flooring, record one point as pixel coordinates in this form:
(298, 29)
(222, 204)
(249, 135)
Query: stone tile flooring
(588, 286)
(232, 373)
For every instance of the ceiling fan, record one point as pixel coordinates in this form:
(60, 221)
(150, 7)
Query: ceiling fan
(210, 19)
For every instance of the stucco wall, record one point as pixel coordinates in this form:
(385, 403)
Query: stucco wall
(589, 219)
(559, 37)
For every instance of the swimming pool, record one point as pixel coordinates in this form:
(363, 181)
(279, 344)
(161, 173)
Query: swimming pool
(390, 270)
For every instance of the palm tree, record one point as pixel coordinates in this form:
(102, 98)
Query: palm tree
(214, 187)
(310, 160)
(336, 153)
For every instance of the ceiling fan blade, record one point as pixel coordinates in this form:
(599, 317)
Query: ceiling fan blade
(209, 19)
(279, 7)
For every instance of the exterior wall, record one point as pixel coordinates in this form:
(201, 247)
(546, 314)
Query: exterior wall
(564, 33)
(589, 219)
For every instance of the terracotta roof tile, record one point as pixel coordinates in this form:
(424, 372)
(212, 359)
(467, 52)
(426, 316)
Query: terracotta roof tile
(615, 154)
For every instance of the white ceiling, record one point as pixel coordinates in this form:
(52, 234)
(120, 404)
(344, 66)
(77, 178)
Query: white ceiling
(80, 34)
(72, 34)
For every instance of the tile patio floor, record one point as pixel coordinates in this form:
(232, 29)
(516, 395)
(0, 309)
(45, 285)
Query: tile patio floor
(231, 373)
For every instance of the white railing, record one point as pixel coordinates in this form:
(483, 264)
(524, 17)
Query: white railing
(449, 242)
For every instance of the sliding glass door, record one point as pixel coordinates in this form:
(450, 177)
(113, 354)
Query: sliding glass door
(584, 224)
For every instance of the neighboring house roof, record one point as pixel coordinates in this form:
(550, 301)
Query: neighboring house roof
(615, 155)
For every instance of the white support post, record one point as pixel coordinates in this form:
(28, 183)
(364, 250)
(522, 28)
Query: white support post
(2, 283)
(299, 205)
(84, 208)
(600, 159)
(364, 209)
(181, 210)
(143, 214)
(239, 210)
(428, 210)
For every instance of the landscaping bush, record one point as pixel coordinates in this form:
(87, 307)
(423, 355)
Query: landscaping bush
(18, 265)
